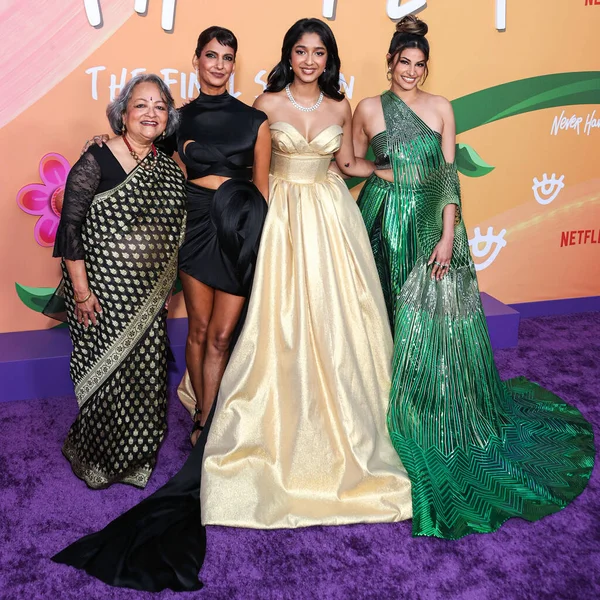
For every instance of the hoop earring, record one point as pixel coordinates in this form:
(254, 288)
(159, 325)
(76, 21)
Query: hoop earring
(389, 74)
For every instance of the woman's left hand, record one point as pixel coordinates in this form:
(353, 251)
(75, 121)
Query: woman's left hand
(440, 258)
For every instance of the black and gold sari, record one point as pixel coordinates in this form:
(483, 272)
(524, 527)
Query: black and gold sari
(130, 236)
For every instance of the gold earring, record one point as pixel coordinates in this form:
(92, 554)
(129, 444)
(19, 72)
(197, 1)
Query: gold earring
(389, 74)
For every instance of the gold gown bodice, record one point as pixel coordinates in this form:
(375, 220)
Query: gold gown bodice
(297, 160)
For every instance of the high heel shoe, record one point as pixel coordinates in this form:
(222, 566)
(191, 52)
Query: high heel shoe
(196, 427)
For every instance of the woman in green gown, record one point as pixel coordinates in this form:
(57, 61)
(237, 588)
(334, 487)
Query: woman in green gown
(478, 450)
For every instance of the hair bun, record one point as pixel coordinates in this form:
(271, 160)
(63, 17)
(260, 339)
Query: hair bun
(412, 25)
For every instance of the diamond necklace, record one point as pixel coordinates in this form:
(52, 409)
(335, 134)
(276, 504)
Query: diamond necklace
(299, 106)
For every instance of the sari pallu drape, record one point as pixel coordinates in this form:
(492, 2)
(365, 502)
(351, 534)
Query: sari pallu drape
(478, 450)
(131, 237)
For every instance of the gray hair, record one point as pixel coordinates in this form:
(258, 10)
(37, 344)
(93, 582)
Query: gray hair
(118, 107)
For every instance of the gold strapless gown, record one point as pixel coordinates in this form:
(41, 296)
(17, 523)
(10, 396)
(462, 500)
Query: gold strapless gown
(299, 434)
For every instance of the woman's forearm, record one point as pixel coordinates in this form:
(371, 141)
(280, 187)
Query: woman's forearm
(448, 218)
(360, 167)
(78, 275)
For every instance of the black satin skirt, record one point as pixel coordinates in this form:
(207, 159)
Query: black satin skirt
(158, 544)
(222, 235)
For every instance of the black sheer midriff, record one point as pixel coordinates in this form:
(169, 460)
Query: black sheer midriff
(95, 172)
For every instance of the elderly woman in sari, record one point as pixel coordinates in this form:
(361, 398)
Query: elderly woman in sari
(121, 227)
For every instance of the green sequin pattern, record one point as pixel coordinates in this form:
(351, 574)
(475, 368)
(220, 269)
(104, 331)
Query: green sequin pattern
(478, 450)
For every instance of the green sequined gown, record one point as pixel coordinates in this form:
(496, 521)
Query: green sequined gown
(478, 450)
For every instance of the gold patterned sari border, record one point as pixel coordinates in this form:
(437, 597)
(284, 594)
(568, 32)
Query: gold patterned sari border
(130, 336)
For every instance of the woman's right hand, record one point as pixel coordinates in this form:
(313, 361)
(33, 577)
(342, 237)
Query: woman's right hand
(97, 139)
(86, 311)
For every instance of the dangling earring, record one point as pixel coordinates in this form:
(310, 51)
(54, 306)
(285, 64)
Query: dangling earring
(389, 74)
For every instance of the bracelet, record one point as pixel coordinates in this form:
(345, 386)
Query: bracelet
(89, 294)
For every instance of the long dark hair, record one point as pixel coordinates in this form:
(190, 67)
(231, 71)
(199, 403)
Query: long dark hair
(410, 33)
(329, 80)
(225, 37)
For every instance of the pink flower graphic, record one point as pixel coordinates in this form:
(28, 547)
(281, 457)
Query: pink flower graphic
(46, 199)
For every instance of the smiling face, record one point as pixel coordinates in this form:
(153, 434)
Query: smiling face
(308, 58)
(147, 112)
(215, 65)
(408, 67)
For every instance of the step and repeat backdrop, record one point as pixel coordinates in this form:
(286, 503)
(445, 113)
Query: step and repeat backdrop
(522, 76)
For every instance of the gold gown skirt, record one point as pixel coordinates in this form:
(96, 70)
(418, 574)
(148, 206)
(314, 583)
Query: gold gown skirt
(299, 434)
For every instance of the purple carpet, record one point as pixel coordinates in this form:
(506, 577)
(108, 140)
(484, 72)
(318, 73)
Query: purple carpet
(43, 507)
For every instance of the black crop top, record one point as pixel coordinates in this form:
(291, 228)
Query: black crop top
(223, 133)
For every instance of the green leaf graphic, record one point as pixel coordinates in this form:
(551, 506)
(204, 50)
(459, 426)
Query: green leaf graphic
(34, 298)
(469, 163)
(526, 95)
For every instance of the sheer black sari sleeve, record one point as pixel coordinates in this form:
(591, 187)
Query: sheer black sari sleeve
(80, 189)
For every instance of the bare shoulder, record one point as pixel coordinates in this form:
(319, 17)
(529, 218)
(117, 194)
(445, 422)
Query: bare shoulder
(441, 104)
(341, 108)
(267, 101)
(368, 106)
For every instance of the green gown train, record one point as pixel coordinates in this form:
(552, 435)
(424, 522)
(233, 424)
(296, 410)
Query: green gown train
(478, 450)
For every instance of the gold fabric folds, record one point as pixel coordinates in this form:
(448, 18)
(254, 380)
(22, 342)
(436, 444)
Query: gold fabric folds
(299, 435)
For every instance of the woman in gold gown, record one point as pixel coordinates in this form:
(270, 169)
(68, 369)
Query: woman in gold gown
(299, 434)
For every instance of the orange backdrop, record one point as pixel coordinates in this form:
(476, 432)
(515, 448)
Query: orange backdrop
(56, 73)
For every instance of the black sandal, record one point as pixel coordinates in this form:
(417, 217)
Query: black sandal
(197, 426)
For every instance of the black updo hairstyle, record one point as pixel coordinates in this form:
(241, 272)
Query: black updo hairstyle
(329, 80)
(410, 33)
(225, 37)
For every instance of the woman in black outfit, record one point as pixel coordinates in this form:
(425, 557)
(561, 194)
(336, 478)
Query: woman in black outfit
(225, 144)
(119, 235)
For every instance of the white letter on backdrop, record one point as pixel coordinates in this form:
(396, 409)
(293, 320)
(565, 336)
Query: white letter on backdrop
(328, 8)
(165, 73)
(114, 86)
(92, 11)
(140, 6)
(258, 79)
(232, 91)
(93, 71)
(348, 87)
(397, 10)
(500, 15)
(168, 15)
(194, 86)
